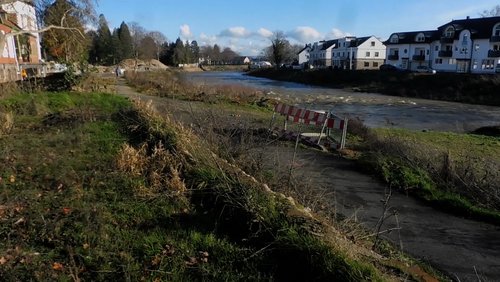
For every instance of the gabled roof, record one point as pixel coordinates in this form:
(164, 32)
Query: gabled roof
(409, 37)
(303, 49)
(358, 41)
(479, 27)
(328, 44)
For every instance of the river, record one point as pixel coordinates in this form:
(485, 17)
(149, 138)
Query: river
(464, 249)
(375, 110)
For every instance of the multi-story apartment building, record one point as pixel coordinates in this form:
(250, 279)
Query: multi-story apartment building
(358, 53)
(320, 54)
(467, 45)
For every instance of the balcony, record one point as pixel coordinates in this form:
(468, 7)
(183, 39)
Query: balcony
(495, 38)
(445, 40)
(394, 57)
(494, 53)
(445, 53)
(418, 57)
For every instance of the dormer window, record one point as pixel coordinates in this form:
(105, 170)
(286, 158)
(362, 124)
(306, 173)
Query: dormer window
(394, 39)
(449, 32)
(420, 37)
(496, 30)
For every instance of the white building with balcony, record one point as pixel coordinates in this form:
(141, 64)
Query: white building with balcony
(466, 46)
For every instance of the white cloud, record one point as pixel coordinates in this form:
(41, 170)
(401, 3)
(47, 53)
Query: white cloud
(305, 34)
(336, 33)
(264, 32)
(237, 31)
(185, 32)
(208, 39)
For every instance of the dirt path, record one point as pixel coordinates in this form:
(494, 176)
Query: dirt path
(462, 248)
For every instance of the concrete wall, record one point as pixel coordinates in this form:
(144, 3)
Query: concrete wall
(8, 73)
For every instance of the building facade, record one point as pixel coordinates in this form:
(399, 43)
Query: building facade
(320, 54)
(20, 53)
(358, 53)
(463, 46)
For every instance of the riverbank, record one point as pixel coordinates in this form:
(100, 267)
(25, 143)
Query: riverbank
(464, 88)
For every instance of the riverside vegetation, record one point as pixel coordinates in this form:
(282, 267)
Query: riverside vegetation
(465, 88)
(96, 187)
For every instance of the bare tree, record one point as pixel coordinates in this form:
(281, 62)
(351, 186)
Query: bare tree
(280, 47)
(159, 39)
(494, 12)
(138, 33)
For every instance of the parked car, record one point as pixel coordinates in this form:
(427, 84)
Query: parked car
(387, 67)
(425, 69)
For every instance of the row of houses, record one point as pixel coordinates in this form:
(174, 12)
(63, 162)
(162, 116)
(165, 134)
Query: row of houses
(464, 46)
(19, 53)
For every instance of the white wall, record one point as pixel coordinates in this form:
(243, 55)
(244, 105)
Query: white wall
(26, 18)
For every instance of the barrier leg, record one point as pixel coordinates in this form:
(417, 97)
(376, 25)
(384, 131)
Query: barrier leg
(344, 134)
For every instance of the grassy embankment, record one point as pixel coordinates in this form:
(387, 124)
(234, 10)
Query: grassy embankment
(458, 173)
(466, 88)
(95, 188)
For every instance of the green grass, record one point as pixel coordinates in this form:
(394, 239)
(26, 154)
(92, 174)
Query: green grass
(68, 212)
(454, 172)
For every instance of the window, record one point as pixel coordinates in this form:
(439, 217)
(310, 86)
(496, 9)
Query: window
(373, 43)
(436, 48)
(496, 30)
(476, 47)
(375, 64)
(420, 37)
(465, 40)
(368, 54)
(394, 39)
(367, 64)
(452, 61)
(438, 61)
(405, 51)
(495, 47)
(427, 51)
(376, 54)
(449, 32)
(488, 64)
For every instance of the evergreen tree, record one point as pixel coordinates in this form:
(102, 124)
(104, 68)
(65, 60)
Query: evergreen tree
(195, 51)
(178, 54)
(126, 41)
(116, 48)
(167, 53)
(104, 52)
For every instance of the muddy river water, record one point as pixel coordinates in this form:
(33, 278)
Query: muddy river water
(464, 249)
(375, 110)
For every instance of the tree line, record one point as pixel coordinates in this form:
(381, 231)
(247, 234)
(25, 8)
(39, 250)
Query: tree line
(104, 46)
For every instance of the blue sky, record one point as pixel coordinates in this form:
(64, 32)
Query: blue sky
(245, 26)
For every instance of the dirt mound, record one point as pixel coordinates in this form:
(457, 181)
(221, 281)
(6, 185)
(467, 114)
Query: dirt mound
(133, 64)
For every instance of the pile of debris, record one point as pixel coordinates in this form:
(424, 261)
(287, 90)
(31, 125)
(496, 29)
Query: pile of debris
(142, 65)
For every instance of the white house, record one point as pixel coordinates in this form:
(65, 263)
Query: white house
(467, 45)
(408, 50)
(304, 55)
(358, 53)
(8, 57)
(25, 18)
(320, 54)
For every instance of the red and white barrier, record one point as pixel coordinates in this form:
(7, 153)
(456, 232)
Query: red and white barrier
(309, 117)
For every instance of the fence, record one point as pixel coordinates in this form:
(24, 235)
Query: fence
(333, 128)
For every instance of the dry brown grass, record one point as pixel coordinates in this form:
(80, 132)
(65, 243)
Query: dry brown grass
(170, 84)
(6, 122)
